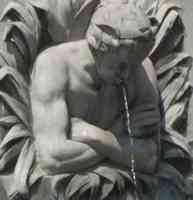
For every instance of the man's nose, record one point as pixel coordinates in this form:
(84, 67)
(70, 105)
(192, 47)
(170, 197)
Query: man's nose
(122, 71)
(123, 67)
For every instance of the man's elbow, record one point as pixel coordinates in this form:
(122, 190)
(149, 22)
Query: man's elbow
(48, 164)
(47, 160)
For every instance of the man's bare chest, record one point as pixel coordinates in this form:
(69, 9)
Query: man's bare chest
(100, 107)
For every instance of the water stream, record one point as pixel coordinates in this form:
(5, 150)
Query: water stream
(131, 139)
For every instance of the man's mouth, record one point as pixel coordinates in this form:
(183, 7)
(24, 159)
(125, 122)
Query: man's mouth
(122, 75)
(123, 70)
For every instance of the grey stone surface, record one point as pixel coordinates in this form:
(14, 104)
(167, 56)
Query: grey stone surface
(187, 4)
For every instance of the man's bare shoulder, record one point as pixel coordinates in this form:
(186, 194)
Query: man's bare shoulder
(50, 73)
(57, 66)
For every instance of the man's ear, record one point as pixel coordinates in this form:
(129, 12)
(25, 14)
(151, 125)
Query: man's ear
(93, 36)
(99, 38)
(108, 35)
(92, 41)
(154, 25)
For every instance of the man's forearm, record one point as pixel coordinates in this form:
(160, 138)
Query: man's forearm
(69, 156)
(118, 149)
(92, 144)
(144, 150)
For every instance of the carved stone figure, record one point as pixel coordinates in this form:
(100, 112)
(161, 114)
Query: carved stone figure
(84, 125)
(70, 130)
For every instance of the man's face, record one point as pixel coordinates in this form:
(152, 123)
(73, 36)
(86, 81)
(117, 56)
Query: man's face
(114, 66)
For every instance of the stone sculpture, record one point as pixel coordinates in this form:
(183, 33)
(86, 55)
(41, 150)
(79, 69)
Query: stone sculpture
(30, 27)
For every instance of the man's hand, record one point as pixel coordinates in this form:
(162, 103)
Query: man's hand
(104, 142)
(84, 132)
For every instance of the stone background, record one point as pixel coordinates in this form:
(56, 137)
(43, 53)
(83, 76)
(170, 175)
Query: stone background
(188, 19)
(187, 15)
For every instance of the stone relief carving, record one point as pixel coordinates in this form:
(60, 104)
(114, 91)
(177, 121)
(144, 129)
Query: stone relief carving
(94, 99)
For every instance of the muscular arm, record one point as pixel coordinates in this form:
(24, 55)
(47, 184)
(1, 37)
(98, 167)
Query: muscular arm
(51, 122)
(115, 145)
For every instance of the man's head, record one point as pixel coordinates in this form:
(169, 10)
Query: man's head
(122, 36)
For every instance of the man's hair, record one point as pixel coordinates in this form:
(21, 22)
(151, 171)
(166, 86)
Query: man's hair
(114, 24)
